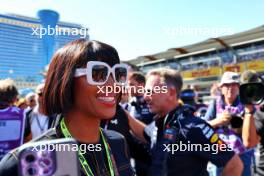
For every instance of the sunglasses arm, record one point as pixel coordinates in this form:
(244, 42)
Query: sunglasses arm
(80, 72)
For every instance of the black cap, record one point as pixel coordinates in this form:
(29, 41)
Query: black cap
(250, 76)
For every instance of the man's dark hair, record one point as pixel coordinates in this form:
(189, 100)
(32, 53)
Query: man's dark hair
(138, 77)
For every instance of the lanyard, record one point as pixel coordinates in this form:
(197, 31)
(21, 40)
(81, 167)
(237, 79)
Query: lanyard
(82, 159)
(42, 128)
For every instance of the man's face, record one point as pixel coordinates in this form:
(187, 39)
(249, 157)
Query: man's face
(230, 91)
(134, 87)
(157, 102)
(31, 102)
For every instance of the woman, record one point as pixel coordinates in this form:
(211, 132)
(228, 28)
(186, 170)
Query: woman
(77, 74)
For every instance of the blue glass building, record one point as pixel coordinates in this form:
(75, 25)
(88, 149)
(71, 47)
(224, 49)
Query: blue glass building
(24, 52)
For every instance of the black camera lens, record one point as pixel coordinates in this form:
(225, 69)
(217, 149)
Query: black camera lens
(251, 93)
(32, 170)
(30, 158)
(254, 93)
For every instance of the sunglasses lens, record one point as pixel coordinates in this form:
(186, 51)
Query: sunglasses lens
(99, 73)
(121, 74)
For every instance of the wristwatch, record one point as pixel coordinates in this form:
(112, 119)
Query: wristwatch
(250, 112)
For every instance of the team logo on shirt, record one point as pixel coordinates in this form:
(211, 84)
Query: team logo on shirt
(207, 130)
(214, 138)
(114, 121)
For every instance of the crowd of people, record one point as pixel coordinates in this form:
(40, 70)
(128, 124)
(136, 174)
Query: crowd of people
(154, 128)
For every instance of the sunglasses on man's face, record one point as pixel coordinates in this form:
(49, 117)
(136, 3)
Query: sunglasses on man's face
(97, 73)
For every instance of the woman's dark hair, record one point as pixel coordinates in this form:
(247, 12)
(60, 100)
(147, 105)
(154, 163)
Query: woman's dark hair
(58, 90)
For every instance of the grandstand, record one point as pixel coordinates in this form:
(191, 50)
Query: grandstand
(202, 64)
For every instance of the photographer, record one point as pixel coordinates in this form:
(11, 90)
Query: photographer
(251, 92)
(233, 120)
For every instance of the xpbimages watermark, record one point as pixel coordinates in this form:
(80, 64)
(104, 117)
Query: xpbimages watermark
(82, 148)
(190, 147)
(131, 89)
(82, 32)
(177, 31)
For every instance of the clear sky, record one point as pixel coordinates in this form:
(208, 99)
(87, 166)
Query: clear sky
(143, 27)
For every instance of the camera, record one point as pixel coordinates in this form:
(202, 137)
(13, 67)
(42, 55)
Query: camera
(251, 93)
(236, 121)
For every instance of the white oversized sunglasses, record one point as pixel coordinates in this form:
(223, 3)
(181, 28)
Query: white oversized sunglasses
(97, 73)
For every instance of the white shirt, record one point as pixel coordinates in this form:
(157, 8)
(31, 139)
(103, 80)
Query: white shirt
(39, 123)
